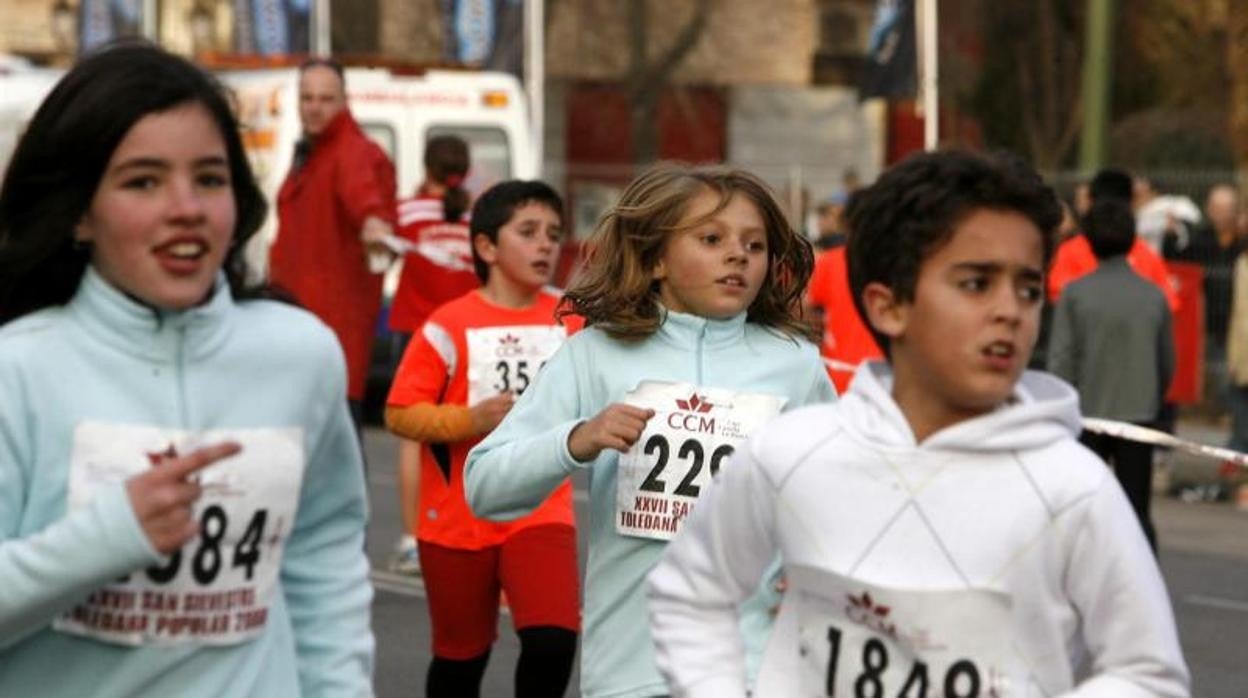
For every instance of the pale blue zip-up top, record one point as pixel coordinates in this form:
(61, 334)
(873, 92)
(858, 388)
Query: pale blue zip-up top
(522, 461)
(224, 365)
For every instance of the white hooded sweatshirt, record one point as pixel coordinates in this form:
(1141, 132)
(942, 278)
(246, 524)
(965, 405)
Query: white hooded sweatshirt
(997, 558)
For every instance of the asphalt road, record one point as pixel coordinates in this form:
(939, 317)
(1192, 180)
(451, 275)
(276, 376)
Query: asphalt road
(1204, 556)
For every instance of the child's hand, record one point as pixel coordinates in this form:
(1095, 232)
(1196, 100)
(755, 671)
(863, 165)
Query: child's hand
(617, 426)
(162, 497)
(489, 412)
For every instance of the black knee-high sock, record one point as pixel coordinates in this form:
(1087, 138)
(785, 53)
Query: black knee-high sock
(456, 678)
(545, 664)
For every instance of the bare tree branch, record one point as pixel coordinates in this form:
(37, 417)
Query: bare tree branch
(1031, 125)
(651, 77)
(646, 79)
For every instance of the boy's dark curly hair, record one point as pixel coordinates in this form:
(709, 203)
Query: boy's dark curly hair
(1109, 227)
(914, 208)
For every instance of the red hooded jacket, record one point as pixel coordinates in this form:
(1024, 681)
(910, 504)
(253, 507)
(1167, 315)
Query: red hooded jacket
(318, 256)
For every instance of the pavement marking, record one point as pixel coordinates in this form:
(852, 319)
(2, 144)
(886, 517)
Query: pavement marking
(401, 584)
(1215, 602)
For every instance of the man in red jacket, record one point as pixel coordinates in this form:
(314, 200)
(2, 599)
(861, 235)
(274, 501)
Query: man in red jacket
(335, 205)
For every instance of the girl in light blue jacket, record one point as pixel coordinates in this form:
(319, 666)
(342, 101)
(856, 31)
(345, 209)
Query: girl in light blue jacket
(691, 297)
(182, 501)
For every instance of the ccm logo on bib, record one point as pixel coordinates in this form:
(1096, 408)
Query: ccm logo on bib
(510, 346)
(696, 422)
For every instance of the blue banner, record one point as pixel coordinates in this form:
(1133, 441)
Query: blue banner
(271, 27)
(100, 21)
(484, 33)
(470, 30)
(892, 61)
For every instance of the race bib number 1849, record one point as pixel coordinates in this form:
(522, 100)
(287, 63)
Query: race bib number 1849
(859, 640)
(692, 432)
(217, 588)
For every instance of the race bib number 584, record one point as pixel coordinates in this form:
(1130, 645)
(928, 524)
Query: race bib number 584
(859, 640)
(692, 432)
(217, 588)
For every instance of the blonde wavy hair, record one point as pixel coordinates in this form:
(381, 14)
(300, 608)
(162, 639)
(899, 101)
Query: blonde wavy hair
(617, 292)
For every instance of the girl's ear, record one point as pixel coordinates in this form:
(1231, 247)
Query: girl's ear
(660, 271)
(82, 231)
(885, 312)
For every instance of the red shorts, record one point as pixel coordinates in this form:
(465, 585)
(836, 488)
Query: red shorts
(536, 567)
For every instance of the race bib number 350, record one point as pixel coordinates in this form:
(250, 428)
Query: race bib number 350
(858, 640)
(507, 359)
(692, 432)
(217, 588)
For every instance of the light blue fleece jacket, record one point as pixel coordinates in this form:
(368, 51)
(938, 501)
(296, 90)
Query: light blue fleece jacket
(224, 365)
(526, 457)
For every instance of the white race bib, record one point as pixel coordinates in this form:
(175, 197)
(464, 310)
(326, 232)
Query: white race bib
(507, 359)
(691, 433)
(216, 590)
(858, 639)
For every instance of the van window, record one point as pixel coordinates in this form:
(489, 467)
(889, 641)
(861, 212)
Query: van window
(382, 135)
(488, 150)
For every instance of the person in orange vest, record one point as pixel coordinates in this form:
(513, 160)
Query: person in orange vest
(846, 340)
(1074, 257)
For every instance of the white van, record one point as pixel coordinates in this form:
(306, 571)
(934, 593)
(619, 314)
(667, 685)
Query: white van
(22, 89)
(401, 112)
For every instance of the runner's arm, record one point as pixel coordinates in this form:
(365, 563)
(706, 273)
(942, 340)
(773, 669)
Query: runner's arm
(413, 408)
(1128, 624)
(44, 573)
(430, 423)
(1165, 353)
(324, 571)
(707, 571)
(519, 464)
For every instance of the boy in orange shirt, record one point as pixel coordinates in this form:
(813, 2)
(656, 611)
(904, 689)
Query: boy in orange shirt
(459, 376)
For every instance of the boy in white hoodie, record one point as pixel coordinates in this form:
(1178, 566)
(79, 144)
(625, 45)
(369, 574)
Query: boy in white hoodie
(942, 531)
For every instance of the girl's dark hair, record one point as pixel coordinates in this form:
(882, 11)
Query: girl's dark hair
(62, 156)
(616, 290)
(498, 204)
(915, 207)
(446, 162)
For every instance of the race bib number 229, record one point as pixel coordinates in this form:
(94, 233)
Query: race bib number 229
(693, 431)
